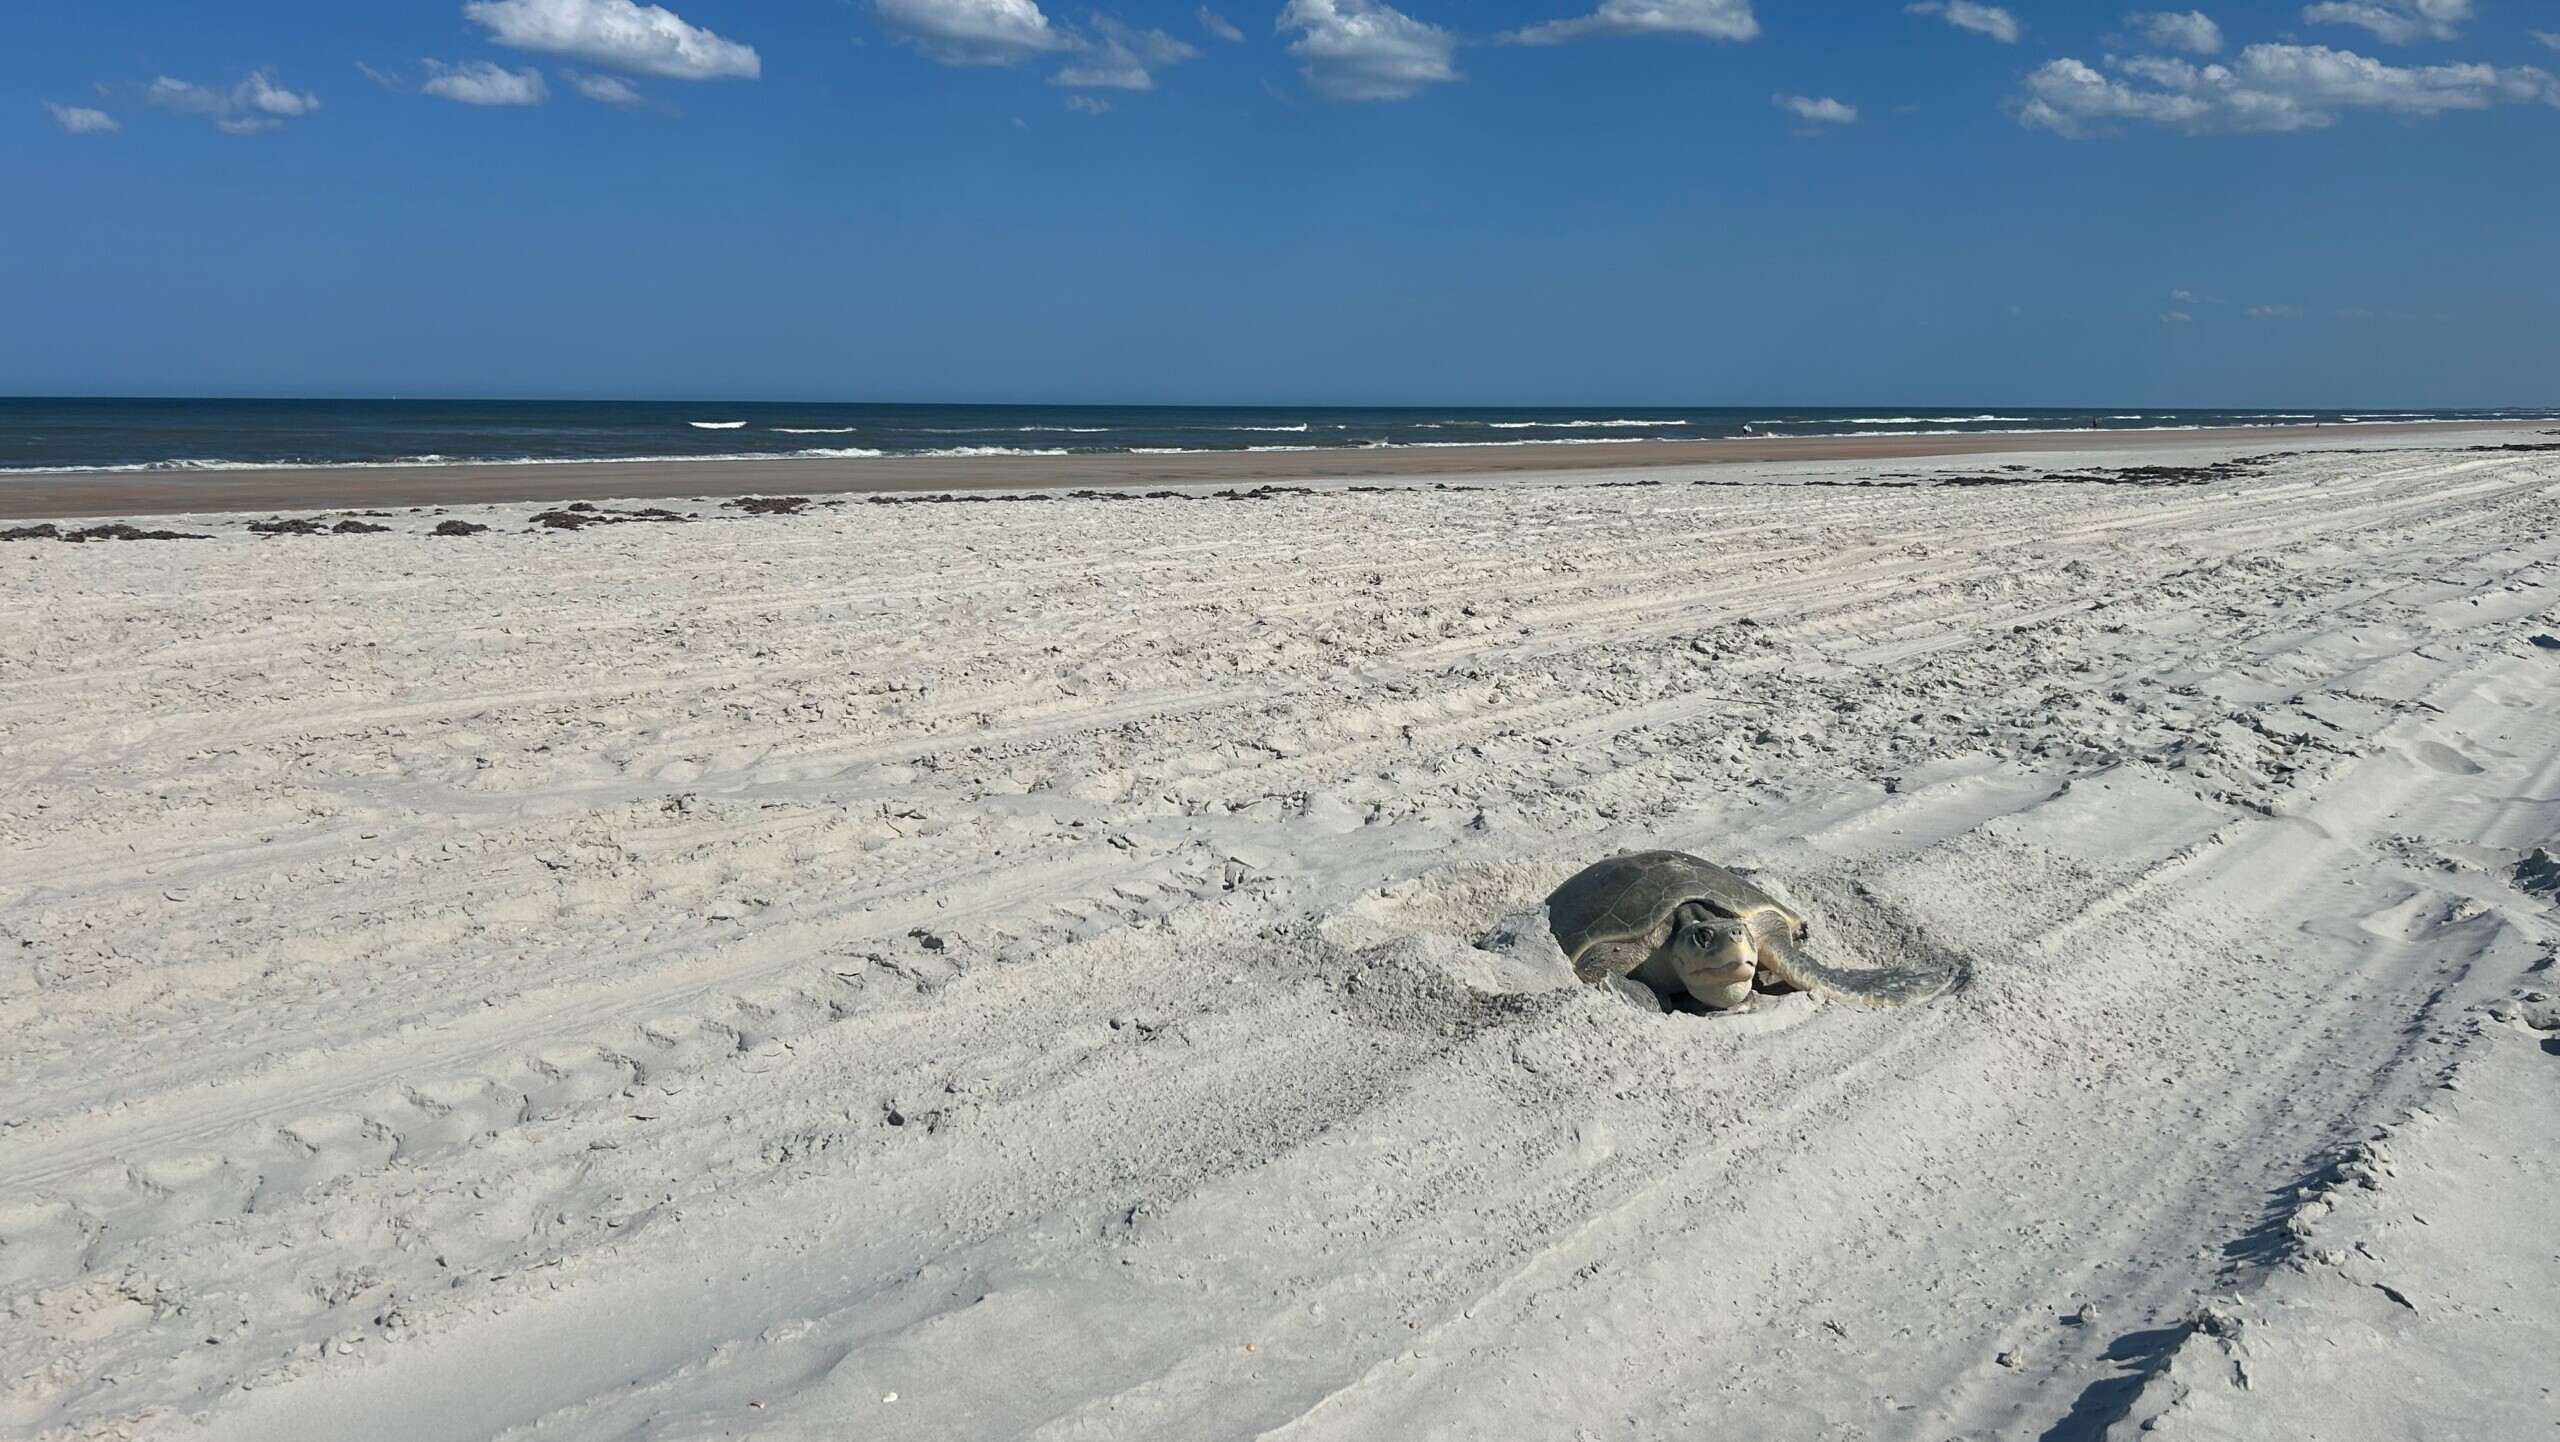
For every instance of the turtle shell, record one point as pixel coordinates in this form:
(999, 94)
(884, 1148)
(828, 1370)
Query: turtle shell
(1625, 898)
(1630, 897)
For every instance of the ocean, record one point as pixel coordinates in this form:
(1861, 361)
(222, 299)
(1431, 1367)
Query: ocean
(143, 434)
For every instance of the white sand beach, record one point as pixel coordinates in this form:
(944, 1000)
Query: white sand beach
(1007, 968)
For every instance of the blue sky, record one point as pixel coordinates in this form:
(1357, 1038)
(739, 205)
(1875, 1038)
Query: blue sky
(1324, 201)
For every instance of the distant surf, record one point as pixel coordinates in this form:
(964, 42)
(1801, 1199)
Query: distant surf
(38, 435)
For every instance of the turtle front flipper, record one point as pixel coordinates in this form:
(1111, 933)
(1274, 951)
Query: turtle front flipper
(1604, 959)
(1872, 986)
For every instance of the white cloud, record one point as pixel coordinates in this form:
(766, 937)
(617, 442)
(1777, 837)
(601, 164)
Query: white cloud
(609, 89)
(2193, 31)
(255, 104)
(1363, 50)
(2268, 88)
(1114, 56)
(2550, 38)
(617, 35)
(2176, 317)
(81, 120)
(479, 82)
(1089, 104)
(1811, 111)
(1714, 19)
(1988, 20)
(973, 32)
(1218, 25)
(263, 96)
(2274, 312)
(1121, 58)
(2395, 22)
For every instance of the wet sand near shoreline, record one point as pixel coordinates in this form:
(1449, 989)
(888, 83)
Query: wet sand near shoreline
(54, 495)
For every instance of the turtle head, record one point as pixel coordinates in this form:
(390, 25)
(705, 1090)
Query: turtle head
(1716, 959)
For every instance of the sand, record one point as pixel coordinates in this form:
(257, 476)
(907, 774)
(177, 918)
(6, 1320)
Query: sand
(54, 495)
(1009, 970)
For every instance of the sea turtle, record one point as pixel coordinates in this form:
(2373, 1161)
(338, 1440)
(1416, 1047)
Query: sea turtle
(1673, 921)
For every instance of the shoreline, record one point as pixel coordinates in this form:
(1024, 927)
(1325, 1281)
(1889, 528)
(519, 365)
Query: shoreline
(60, 495)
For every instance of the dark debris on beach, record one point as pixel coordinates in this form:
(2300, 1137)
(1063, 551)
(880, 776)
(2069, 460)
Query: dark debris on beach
(947, 498)
(2245, 467)
(116, 531)
(582, 514)
(1258, 493)
(313, 526)
(2241, 469)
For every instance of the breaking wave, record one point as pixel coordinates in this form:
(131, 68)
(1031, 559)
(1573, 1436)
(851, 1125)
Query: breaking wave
(1580, 425)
